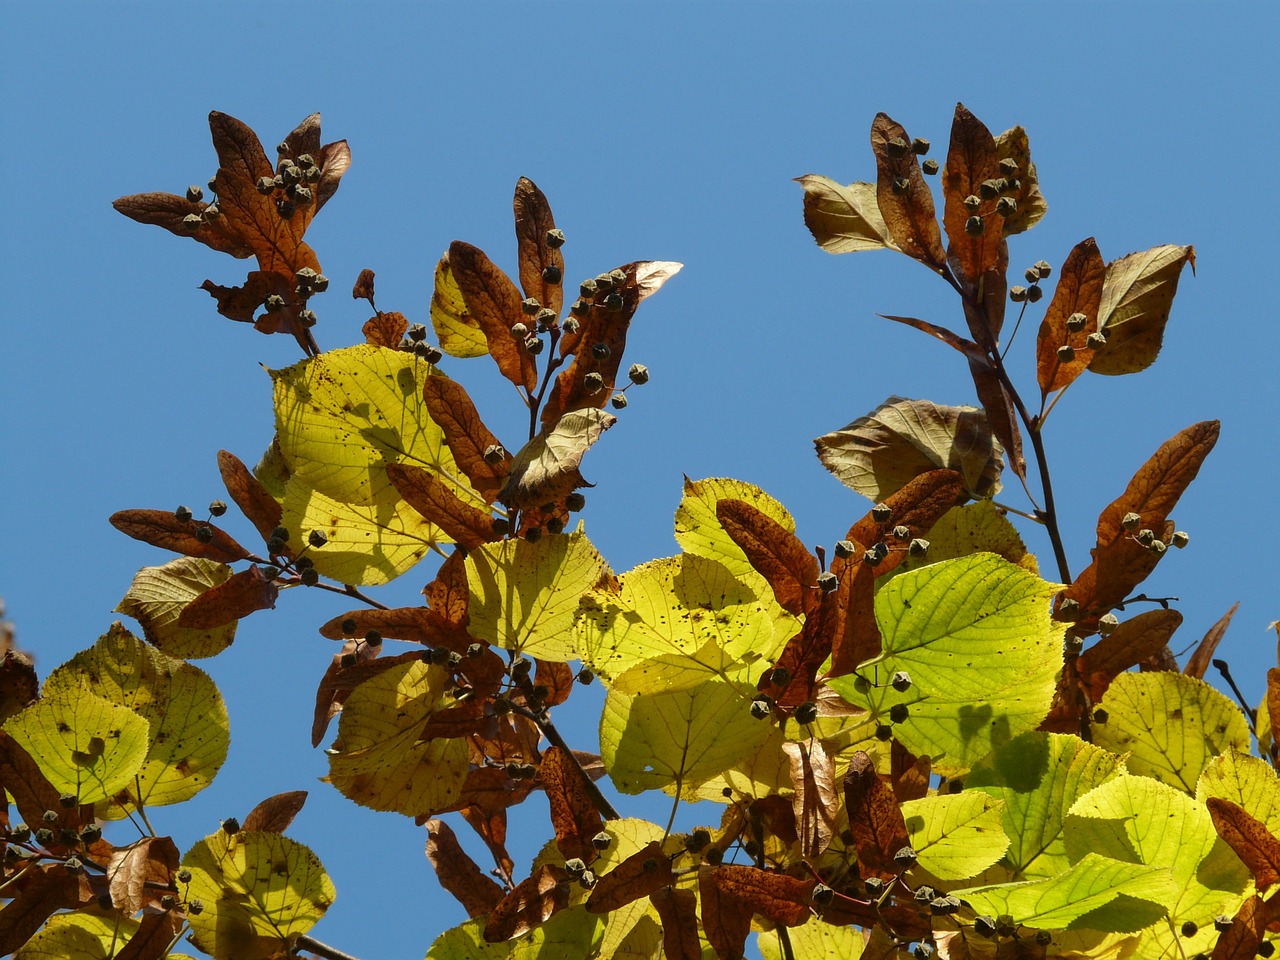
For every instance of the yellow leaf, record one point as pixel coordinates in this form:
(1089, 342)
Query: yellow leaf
(456, 329)
(1137, 294)
(80, 936)
(844, 219)
(157, 597)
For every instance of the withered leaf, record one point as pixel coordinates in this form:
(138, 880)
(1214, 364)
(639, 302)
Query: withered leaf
(803, 655)
(855, 633)
(949, 337)
(19, 684)
(546, 468)
(32, 793)
(493, 302)
(151, 941)
(557, 677)
(274, 814)
(678, 910)
(241, 303)
(385, 329)
(1249, 838)
(1273, 702)
(844, 219)
(1079, 291)
(162, 528)
(436, 501)
(339, 680)
(413, 624)
(448, 594)
(775, 896)
(774, 552)
(726, 920)
(471, 717)
(458, 873)
(875, 819)
(972, 159)
(1013, 145)
(1247, 930)
(1117, 567)
(240, 595)
(1137, 294)
(248, 493)
(46, 890)
(573, 814)
(904, 198)
(168, 210)
(467, 437)
(815, 801)
(909, 774)
(532, 903)
(538, 258)
(642, 873)
(1203, 655)
(363, 288)
(917, 505)
(880, 453)
(150, 860)
(1001, 416)
(1132, 642)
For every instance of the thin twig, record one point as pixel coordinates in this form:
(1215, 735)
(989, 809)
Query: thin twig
(1222, 667)
(322, 949)
(549, 731)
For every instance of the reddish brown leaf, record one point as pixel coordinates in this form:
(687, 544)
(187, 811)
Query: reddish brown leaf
(413, 624)
(972, 159)
(238, 596)
(1249, 838)
(448, 594)
(917, 506)
(490, 824)
(242, 303)
(775, 896)
(32, 794)
(248, 493)
(1204, 651)
(19, 684)
(532, 903)
(815, 800)
(1079, 291)
(875, 820)
(168, 210)
(466, 435)
(856, 633)
(471, 717)
(46, 890)
(1001, 416)
(1273, 705)
(338, 681)
(726, 920)
(458, 873)
(1117, 568)
(1242, 940)
(363, 289)
(151, 860)
(385, 329)
(642, 873)
(984, 300)
(556, 678)
(161, 528)
(494, 303)
(333, 159)
(433, 498)
(274, 814)
(802, 656)
(155, 934)
(949, 337)
(776, 554)
(678, 911)
(573, 813)
(1132, 642)
(904, 198)
(541, 263)
(773, 815)
(909, 774)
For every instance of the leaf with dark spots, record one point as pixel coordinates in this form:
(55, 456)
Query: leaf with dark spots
(678, 910)
(385, 330)
(1001, 415)
(248, 493)
(340, 679)
(240, 595)
(1203, 655)
(1248, 928)
(917, 506)
(493, 302)
(532, 903)
(1079, 291)
(972, 159)
(856, 635)
(573, 813)
(726, 920)
(774, 552)
(274, 814)
(435, 500)
(875, 819)
(19, 684)
(903, 196)
(1117, 568)
(639, 875)
(539, 259)
(1132, 642)
(162, 528)
(1249, 838)
(775, 896)
(458, 873)
(468, 438)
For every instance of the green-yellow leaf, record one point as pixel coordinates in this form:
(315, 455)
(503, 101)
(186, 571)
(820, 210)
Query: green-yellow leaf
(814, 939)
(80, 936)
(188, 728)
(973, 528)
(85, 745)
(1170, 725)
(975, 636)
(157, 597)
(1054, 903)
(1141, 821)
(569, 935)
(377, 759)
(261, 891)
(1039, 776)
(1244, 780)
(844, 219)
(956, 836)
(678, 622)
(1137, 294)
(456, 329)
(523, 595)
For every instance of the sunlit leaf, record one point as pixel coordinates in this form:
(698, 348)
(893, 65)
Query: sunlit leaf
(876, 824)
(458, 873)
(546, 468)
(1137, 295)
(163, 528)
(466, 435)
(956, 836)
(431, 497)
(253, 499)
(775, 896)
(81, 936)
(243, 593)
(385, 330)
(539, 257)
(573, 813)
(844, 219)
(877, 454)
(1079, 291)
(1132, 642)
(157, 597)
(261, 891)
(457, 331)
(979, 527)
(139, 872)
(903, 196)
(1249, 837)
(814, 939)
(972, 160)
(776, 554)
(493, 303)
(1013, 145)
(275, 813)
(1247, 781)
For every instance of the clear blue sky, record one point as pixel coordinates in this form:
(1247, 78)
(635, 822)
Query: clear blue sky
(660, 131)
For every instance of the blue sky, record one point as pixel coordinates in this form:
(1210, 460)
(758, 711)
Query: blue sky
(659, 131)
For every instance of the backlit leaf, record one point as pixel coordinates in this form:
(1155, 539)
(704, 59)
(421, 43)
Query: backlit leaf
(533, 222)
(493, 302)
(385, 330)
(775, 896)
(275, 813)
(875, 819)
(844, 219)
(1249, 837)
(1079, 290)
(1199, 661)
(877, 454)
(971, 160)
(776, 554)
(458, 873)
(423, 490)
(546, 468)
(241, 594)
(726, 920)
(644, 872)
(466, 435)
(457, 331)
(248, 493)
(573, 813)
(1246, 781)
(82, 936)
(45, 891)
(1013, 144)
(533, 901)
(1129, 644)
(157, 597)
(162, 528)
(907, 210)
(978, 527)
(814, 939)
(956, 836)
(678, 908)
(1137, 295)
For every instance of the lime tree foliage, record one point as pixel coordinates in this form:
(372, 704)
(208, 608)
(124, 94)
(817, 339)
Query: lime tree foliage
(918, 743)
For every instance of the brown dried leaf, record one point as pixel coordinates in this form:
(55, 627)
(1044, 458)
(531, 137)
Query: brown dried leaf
(546, 468)
(803, 655)
(435, 500)
(972, 158)
(448, 594)
(1132, 642)
(1249, 838)
(1079, 290)
(274, 814)
(533, 222)
(493, 302)
(1273, 704)
(241, 303)
(150, 860)
(1203, 655)
(240, 595)
(472, 717)
(168, 210)
(909, 774)
(908, 214)
(458, 873)
(678, 910)
(532, 903)
(815, 801)
(639, 875)
(46, 890)
(412, 624)
(557, 677)
(155, 934)
(573, 813)
(333, 159)
(1137, 295)
(918, 505)
(1001, 417)
(844, 219)
(775, 896)
(363, 289)
(726, 920)
(385, 329)
(875, 819)
(1117, 568)
(19, 684)
(856, 634)
(1242, 940)
(248, 493)
(949, 337)
(32, 794)
(467, 437)
(161, 528)
(1013, 144)
(774, 552)
(338, 681)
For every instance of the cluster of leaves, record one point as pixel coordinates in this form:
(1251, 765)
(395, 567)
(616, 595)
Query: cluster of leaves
(919, 746)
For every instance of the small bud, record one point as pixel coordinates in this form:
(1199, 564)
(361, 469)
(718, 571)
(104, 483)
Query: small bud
(974, 226)
(715, 855)
(552, 275)
(901, 681)
(1030, 273)
(580, 307)
(274, 303)
(902, 532)
(901, 185)
(806, 713)
(897, 147)
(844, 548)
(944, 906)
(1007, 207)
(570, 325)
(44, 837)
(613, 303)
(1066, 353)
(494, 454)
(68, 837)
(183, 514)
(521, 666)
(1009, 166)
(19, 833)
(533, 344)
(195, 193)
(1096, 340)
(286, 209)
(310, 577)
(601, 841)
(585, 677)
(923, 950)
(1180, 539)
(592, 383)
(1145, 536)
(1034, 294)
(195, 907)
(281, 533)
(519, 331)
(1189, 928)
(302, 195)
(874, 886)
(984, 926)
(1076, 322)
(1043, 269)
(929, 167)
(905, 857)
(618, 401)
(212, 184)
(1107, 624)
(191, 222)
(231, 826)
(575, 502)
(875, 554)
(588, 288)
(1131, 521)
(1266, 948)
(884, 732)
(898, 713)
(555, 239)
(73, 865)
(638, 373)
(545, 318)
(1100, 715)
(989, 189)
(418, 332)
(575, 867)
(822, 895)
(271, 571)
(972, 202)
(307, 318)
(1157, 547)
(920, 146)
(600, 351)
(1017, 293)
(1073, 645)
(68, 800)
(761, 707)
(204, 534)
(881, 513)
(828, 582)
(918, 547)
(211, 212)
(530, 306)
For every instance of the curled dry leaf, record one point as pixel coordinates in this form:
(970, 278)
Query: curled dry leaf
(247, 492)
(775, 896)
(573, 813)
(1132, 642)
(274, 814)
(1013, 145)
(844, 219)
(815, 801)
(639, 875)
(463, 523)
(774, 552)
(904, 198)
(1079, 290)
(972, 159)
(678, 910)
(458, 873)
(466, 435)
(363, 289)
(1248, 928)
(162, 528)
(1137, 294)
(546, 468)
(1001, 417)
(19, 684)
(1249, 838)
(385, 329)
(880, 453)
(242, 594)
(539, 259)
(151, 860)
(532, 903)
(726, 920)
(492, 301)
(1203, 655)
